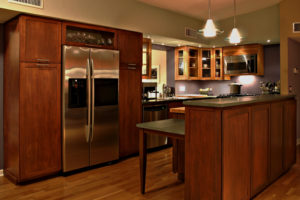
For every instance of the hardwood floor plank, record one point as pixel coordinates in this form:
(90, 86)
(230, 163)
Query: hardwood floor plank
(121, 182)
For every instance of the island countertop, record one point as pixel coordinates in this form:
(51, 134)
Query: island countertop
(236, 101)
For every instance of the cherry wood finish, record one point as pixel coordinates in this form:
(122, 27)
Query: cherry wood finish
(40, 138)
(88, 27)
(130, 105)
(236, 154)
(246, 50)
(32, 121)
(202, 154)
(259, 147)
(276, 140)
(40, 40)
(289, 136)
(173, 104)
(130, 45)
(148, 56)
(184, 57)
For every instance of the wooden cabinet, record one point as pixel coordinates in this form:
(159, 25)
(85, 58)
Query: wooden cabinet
(130, 91)
(260, 147)
(236, 154)
(218, 64)
(32, 90)
(40, 40)
(130, 105)
(130, 45)
(147, 56)
(181, 71)
(289, 134)
(193, 63)
(276, 140)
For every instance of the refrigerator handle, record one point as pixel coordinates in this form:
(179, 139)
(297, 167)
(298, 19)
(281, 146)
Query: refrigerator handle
(93, 99)
(87, 133)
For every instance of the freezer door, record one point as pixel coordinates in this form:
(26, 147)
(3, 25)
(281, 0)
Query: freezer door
(75, 103)
(105, 109)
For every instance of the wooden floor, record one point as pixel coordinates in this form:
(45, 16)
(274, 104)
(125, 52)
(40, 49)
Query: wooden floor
(121, 182)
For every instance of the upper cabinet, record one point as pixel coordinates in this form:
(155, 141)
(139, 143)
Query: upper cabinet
(76, 34)
(40, 40)
(147, 49)
(218, 63)
(193, 63)
(206, 64)
(181, 72)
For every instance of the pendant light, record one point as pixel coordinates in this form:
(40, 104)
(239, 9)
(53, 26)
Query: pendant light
(210, 29)
(235, 36)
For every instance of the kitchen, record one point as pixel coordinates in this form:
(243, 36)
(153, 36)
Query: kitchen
(131, 22)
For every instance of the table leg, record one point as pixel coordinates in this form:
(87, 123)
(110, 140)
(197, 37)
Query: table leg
(143, 158)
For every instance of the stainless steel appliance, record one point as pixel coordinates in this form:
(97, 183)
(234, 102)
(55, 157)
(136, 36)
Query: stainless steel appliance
(235, 88)
(240, 64)
(90, 106)
(153, 113)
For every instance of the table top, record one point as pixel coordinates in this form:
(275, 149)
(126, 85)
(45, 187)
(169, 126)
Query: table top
(175, 126)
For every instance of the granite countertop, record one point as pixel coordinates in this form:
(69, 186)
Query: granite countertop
(236, 101)
(175, 126)
(177, 98)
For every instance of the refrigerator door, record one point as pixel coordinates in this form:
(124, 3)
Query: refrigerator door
(75, 103)
(105, 109)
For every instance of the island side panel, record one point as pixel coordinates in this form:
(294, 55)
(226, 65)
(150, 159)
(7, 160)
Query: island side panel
(236, 154)
(203, 154)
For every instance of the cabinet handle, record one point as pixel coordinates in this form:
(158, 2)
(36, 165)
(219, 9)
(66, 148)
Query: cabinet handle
(131, 64)
(132, 68)
(42, 60)
(42, 65)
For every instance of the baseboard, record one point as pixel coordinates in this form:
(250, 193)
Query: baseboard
(298, 141)
(1, 172)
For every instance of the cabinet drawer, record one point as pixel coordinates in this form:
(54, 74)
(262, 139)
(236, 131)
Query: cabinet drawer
(40, 40)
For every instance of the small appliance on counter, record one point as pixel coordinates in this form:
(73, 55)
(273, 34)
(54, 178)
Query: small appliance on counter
(205, 91)
(270, 87)
(235, 88)
(168, 91)
(150, 91)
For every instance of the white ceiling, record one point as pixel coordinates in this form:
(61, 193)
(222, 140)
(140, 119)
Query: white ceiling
(221, 9)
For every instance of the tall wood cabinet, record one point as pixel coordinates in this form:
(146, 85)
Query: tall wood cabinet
(32, 109)
(130, 90)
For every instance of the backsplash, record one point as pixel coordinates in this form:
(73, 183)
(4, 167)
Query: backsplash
(272, 73)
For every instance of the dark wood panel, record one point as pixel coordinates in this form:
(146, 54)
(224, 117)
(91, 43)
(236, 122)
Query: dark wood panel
(130, 109)
(236, 154)
(40, 40)
(289, 133)
(259, 147)
(203, 154)
(130, 45)
(174, 104)
(276, 140)
(11, 99)
(40, 138)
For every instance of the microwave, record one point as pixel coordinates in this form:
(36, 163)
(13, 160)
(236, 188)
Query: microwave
(240, 64)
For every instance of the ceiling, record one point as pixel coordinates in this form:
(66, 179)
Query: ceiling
(220, 9)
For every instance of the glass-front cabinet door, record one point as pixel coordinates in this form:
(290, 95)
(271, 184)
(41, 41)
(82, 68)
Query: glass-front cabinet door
(206, 64)
(146, 68)
(218, 64)
(180, 63)
(193, 59)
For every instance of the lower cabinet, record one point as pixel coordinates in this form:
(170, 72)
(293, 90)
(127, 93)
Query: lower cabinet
(259, 147)
(130, 105)
(38, 139)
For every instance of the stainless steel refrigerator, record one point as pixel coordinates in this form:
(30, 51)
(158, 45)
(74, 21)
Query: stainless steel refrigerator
(90, 91)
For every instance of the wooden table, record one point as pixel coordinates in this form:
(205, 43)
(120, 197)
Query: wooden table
(172, 128)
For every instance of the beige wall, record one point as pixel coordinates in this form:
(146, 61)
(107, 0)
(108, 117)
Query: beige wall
(258, 27)
(124, 14)
(159, 57)
(289, 13)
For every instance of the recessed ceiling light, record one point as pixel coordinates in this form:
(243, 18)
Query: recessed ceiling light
(179, 45)
(162, 43)
(199, 45)
(152, 41)
(214, 46)
(268, 41)
(148, 36)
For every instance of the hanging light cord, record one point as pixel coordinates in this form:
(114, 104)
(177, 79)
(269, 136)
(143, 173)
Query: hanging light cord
(234, 7)
(209, 12)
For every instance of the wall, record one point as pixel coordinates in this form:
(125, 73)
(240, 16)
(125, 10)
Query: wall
(124, 14)
(159, 57)
(1, 95)
(272, 73)
(294, 79)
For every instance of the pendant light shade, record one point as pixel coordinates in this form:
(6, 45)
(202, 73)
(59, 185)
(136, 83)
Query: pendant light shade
(209, 29)
(235, 36)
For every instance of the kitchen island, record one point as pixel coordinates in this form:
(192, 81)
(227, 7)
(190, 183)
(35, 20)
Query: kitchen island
(236, 147)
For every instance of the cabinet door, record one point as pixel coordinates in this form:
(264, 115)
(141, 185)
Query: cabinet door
(181, 63)
(259, 147)
(236, 154)
(40, 40)
(206, 64)
(289, 133)
(131, 47)
(40, 130)
(276, 140)
(130, 105)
